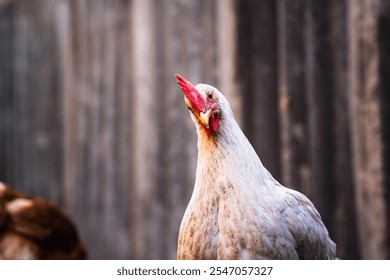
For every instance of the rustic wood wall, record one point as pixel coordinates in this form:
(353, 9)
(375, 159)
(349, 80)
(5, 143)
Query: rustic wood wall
(91, 117)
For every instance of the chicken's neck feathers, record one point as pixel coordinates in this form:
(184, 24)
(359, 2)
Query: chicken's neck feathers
(227, 156)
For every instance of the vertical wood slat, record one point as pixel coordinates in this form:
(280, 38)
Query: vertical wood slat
(257, 72)
(384, 87)
(319, 94)
(7, 12)
(35, 110)
(107, 134)
(95, 68)
(227, 55)
(346, 236)
(146, 132)
(365, 127)
(291, 88)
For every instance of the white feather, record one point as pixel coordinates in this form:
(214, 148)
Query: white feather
(238, 210)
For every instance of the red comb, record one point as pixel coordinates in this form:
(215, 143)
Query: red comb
(191, 93)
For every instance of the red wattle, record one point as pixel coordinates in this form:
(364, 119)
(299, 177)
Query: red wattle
(214, 123)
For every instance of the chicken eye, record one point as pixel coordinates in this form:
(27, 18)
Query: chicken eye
(210, 95)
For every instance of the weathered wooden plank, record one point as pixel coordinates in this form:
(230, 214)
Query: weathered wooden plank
(365, 127)
(291, 91)
(7, 12)
(35, 111)
(228, 55)
(384, 89)
(344, 212)
(319, 94)
(91, 117)
(95, 71)
(144, 201)
(256, 69)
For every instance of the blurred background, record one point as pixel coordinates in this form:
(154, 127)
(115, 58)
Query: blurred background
(92, 120)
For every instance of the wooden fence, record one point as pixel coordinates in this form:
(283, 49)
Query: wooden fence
(92, 120)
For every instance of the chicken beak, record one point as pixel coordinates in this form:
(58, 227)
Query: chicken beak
(204, 118)
(192, 97)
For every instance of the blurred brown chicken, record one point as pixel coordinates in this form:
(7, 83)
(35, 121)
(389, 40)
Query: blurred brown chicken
(32, 228)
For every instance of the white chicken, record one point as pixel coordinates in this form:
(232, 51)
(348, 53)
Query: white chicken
(237, 209)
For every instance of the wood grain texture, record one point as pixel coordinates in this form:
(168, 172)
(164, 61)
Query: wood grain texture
(91, 118)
